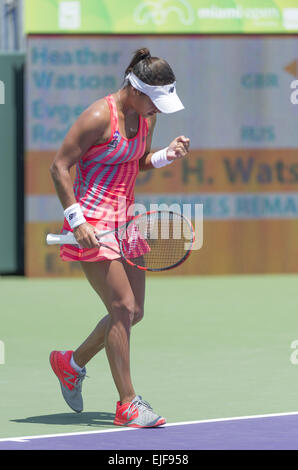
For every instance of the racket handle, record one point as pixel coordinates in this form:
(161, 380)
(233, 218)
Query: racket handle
(68, 239)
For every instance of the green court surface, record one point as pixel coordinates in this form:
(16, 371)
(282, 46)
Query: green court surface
(208, 347)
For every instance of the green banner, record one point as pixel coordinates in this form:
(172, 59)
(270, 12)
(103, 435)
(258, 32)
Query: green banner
(160, 16)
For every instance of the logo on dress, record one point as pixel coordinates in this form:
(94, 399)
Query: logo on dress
(115, 140)
(171, 90)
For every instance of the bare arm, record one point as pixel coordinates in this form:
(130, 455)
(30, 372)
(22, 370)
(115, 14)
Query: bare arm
(85, 132)
(145, 161)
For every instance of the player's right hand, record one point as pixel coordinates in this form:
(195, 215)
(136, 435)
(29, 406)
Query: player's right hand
(85, 235)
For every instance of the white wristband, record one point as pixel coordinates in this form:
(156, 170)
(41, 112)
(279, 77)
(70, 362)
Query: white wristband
(74, 215)
(159, 158)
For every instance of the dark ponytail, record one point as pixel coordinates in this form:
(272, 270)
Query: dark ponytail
(151, 70)
(140, 54)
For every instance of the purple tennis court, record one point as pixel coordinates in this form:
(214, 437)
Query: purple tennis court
(272, 432)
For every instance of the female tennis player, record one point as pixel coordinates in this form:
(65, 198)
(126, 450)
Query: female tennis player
(109, 143)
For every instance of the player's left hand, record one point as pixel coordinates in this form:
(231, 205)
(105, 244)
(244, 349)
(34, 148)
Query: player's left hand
(178, 148)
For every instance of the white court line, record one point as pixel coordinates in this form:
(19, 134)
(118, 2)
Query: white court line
(183, 423)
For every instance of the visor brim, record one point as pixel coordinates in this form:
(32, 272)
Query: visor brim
(168, 104)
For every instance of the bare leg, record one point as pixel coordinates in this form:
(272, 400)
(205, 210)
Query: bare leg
(93, 344)
(121, 288)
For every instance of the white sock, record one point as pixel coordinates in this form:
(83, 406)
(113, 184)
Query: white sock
(74, 365)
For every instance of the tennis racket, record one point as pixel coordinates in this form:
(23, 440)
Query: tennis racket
(151, 241)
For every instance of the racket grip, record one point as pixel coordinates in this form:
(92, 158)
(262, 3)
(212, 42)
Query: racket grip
(68, 239)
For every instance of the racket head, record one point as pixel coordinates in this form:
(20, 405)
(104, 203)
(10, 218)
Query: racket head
(157, 240)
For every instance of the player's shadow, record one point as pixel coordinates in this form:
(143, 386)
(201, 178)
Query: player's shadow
(92, 419)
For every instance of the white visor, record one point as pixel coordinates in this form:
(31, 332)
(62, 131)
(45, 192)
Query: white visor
(164, 97)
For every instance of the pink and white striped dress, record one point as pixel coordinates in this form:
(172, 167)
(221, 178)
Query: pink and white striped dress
(104, 185)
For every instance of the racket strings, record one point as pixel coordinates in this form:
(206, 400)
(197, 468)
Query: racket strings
(157, 240)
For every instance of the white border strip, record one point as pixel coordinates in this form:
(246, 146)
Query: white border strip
(215, 420)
